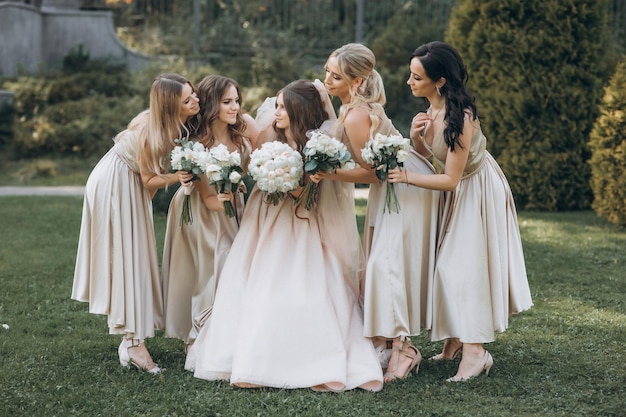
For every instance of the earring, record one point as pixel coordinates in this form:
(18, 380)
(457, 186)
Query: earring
(438, 91)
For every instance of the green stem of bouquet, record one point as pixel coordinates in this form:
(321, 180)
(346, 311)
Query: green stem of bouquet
(185, 215)
(391, 199)
(229, 209)
(307, 196)
(274, 198)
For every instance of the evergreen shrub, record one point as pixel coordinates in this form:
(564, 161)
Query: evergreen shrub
(57, 130)
(78, 113)
(608, 151)
(537, 77)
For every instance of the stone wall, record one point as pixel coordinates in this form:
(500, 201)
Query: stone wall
(37, 38)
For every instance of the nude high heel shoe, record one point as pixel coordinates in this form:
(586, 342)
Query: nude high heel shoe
(441, 357)
(126, 360)
(485, 365)
(407, 349)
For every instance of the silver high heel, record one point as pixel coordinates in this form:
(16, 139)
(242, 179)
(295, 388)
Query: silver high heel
(485, 365)
(126, 360)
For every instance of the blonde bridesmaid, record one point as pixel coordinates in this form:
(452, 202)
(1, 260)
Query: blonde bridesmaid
(117, 265)
(399, 247)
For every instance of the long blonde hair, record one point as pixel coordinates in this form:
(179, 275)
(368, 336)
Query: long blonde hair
(160, 125)
(358, 61)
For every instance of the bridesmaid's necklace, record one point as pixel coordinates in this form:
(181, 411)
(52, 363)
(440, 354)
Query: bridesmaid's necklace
(430, 109)
(436, 114)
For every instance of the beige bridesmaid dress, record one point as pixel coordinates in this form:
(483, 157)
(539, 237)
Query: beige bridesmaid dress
(116, 264)
(400, 252)
(193, 257)
(480, 276)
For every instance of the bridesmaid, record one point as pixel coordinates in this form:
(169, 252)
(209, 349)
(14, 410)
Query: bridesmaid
(286, 312)
(399, 247)
(480, 276)
(116, 264)
(193, 254)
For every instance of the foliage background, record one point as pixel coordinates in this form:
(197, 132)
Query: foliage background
(608, 143)
(537, 68)
(538, 80)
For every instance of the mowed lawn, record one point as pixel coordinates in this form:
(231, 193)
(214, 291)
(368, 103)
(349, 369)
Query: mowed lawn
(564, 357)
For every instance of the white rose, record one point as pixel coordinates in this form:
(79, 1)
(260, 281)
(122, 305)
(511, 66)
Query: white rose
(234, 177)
(402, 155)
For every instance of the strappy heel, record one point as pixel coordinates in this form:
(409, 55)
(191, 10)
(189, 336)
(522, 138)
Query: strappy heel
(442, 357)
(485, 365)
(126, 360)
(403, 347)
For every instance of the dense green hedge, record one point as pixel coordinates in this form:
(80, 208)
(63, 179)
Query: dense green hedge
(77, 113)
(71, 115)
(537, 69)
(608, 146)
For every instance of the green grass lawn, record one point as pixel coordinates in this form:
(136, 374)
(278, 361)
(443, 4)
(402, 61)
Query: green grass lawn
(564, 357)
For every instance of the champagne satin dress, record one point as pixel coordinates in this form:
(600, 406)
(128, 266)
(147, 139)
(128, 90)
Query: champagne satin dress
(193, 257)
(399, 251)
(480, 276)
(117, 270)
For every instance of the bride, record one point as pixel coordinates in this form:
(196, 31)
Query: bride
(286, 311)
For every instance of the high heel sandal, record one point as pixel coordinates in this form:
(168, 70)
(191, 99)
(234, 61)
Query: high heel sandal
(442, 357)
(126, 360)
(407, 349)
(485, 365)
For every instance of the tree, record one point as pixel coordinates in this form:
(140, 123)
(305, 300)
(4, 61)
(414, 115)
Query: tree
(608, 147)
(537, 68)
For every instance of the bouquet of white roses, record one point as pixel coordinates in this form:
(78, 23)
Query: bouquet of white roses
(384, 153)
(322, 153)
(277, 169)
(191, 157)
(224, 172)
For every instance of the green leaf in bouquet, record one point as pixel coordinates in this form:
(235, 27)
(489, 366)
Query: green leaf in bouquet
(311, 166)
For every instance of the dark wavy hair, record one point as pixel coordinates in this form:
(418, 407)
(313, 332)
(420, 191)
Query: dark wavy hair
(211, 90)
(305, 110)
(440, 59)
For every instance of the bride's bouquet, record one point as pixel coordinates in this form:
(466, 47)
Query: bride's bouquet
(224, 171)
(384, 153)
(188, 156)
(322, 153)
(277, 169)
